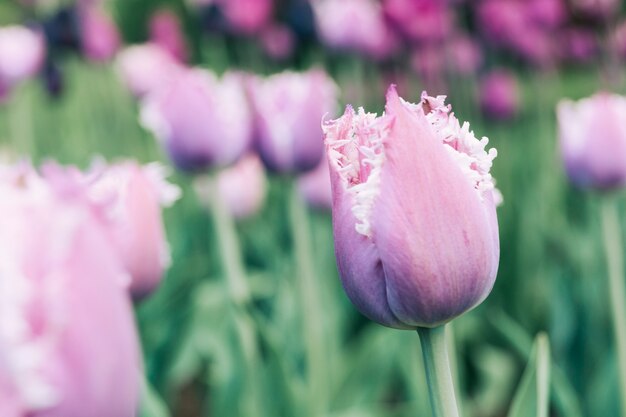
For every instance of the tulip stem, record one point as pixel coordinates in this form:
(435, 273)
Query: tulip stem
(613, 246)
(438, 374)
(311, 305)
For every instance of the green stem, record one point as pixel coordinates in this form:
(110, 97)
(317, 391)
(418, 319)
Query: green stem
(311, 305)
(612, 232)
(235, 273)
(438, 375)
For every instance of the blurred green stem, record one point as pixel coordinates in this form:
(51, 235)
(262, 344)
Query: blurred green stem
(438, 374)
(311, 304)
(233, 268)
(613, 246)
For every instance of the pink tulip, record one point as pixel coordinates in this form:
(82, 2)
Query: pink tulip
(22, 53)
(596, 9)
(68, 346)
(420, 20)
(100, 39)
(578, 45)
(617, 40)
(415, 226)
(289, 108)
(356, 25)
(549, 14)
(201, 121)
(242, 187)
(165, 31)
(278, 41)
(146, 68)
(315, 187)
(247, 17)
(465, 55)
(592, 134)
(499, 95)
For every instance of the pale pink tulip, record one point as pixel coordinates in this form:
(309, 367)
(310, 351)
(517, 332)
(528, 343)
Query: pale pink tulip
(315, 187)
(68, 346)
(165, 31)
(22, 53)
(146, 68)
(289, 108)
(592, 136)
(415, 226)
(99, 36)
(242, 187)
(200, 120)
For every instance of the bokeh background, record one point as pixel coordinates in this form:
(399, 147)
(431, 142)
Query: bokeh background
(504, 64)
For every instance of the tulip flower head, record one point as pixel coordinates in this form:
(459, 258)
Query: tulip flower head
(414, 219)
(22, 52)
(288, 109)
(499, 95)
(315, 188)
(100, 38)
(592, 136)
(165, 31)
(61, 307)
(201, 121)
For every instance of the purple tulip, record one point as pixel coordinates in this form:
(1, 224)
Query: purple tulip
(146, 68)
(247, 17)
(289, 108)
(420, 20)
(63, 305)
(578, 45)
(415, 226)
(499, 95)
(592, 136)
(278, 41)
(242, 187)
(200, 120)
(22, 53)
(165, 31)
(100, 39)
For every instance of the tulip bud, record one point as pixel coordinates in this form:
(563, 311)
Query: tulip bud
(242, 187)
(100, 39)
(246, 17)
(315, 187)
(288, 110)
(415, 226)
(68, 346)
(145, 68)
(22, 52)
(499, 95)
(200, 120)
(165, 31)
(592, 137)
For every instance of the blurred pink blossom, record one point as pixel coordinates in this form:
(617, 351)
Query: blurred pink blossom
(146, 68)
(247, 17)
(99, 36)
(499, 95)
(578, 45)
(315, 187)
(278, 41)
(596, 9)
(289, 108)
(22, 53)
(166, 32)
(62, 306)
(242, 187)
(201, 120)
(420, 20)
(465, 55)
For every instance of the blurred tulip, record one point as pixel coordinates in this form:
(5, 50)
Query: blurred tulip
(499, 95)
(165, 31)
(22, 53)
(146, 68)
(62, 306)
(247, 17)
(99, 37)
(356, 25)
(289, 108)
(596, 9)
(617, 40)
(242, 187)
(415, 226)
(464, 55)
(578, 45)
(420, 20)
(315, 187)
(547, 13)
(134, 196)
(200, 120)
(592, 135)
(278, 42)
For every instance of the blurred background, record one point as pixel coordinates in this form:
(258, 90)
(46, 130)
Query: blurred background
(504, 64)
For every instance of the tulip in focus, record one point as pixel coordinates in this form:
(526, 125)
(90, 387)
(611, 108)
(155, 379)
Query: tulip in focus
(146, 68)
(165, 31)
(242, 187)
(592, 136)
(200, 120)
(22, 53)
(289, 108)
(68, 346)
(414, 218)
(499, 95)
(315, 187)
(100, 39)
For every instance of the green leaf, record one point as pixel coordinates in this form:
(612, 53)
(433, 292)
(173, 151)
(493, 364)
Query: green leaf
(151, 405)
(532, 398)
